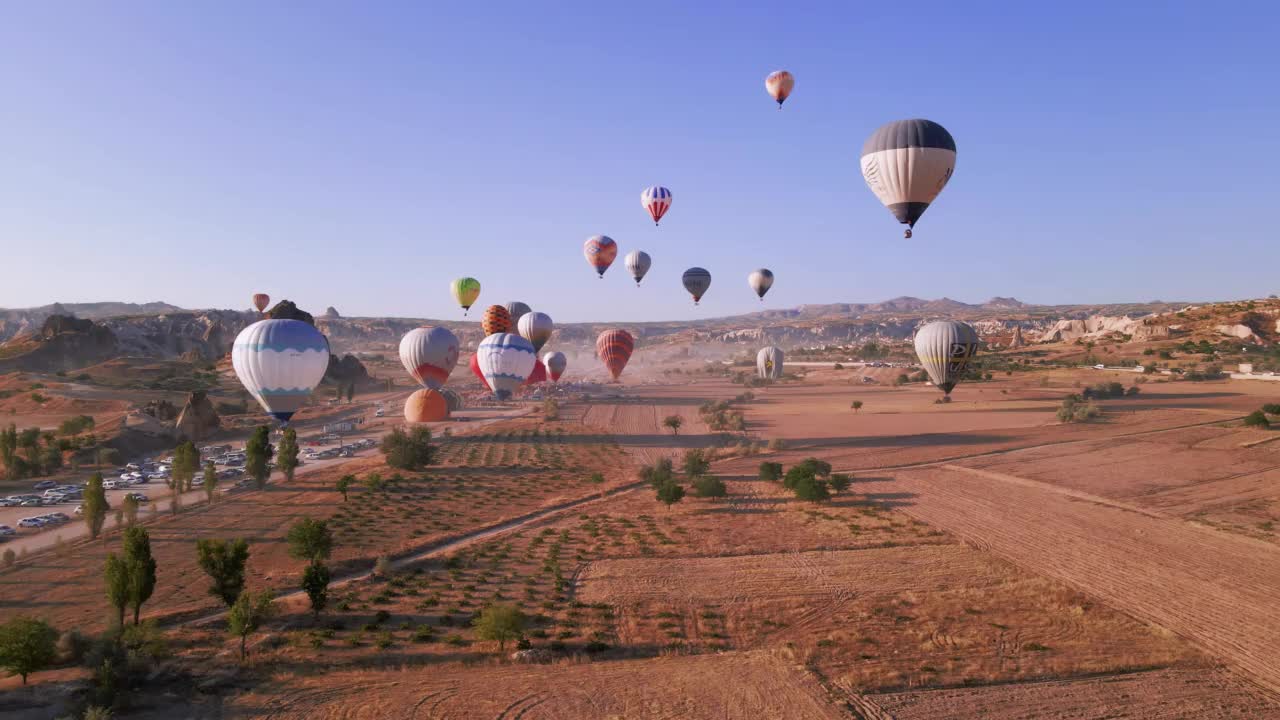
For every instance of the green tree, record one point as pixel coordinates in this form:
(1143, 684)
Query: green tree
(247, 615)
(1257, 419)
(258, 452)
(116, 574)
(130, 507)
(141, 567)
(210, 481)
(673, 423)
(840, 482)
(410, 450)
(95, 506)
(501, 623)
(315, 583)
(856, 405)
(770, 471)
(186, 461)
(310, 539)
(287, 454)
(1271, 408)
(695, 462)
(670, 493)
(27, 645)
(344, 485)
(812, 489)
(351, 393)
(224, 562)
(709, 486)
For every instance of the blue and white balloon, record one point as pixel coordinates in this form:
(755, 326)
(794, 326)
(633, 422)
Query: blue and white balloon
(280, 363)
(505, 360)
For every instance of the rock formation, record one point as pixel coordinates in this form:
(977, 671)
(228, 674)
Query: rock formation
(1017, 341)
(198, 419)
(286, 310)
(346, 371)
(331, 313)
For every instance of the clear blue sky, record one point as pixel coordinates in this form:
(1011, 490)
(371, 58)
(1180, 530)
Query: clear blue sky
(361, 155)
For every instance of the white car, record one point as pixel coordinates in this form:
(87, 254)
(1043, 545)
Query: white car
(114, 484)
(31, 522)
(5, 531)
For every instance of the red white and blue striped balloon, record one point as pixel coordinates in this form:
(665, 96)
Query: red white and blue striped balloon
(656, 200)
(280, 362)
(505, 361)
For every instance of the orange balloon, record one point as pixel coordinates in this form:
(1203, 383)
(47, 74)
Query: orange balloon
(496, 320)
(426, 406)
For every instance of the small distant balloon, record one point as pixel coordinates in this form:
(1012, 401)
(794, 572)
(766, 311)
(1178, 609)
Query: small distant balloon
(638, 263)
(496, 320)
(556, 362)
(656, 200)
(769, 363)
(261, 301)
(614, 348)
(517, 310)
(600, 251)
(696, 280)
(536, 327)
(945, 348)
(466, 291)
(760, 281)
(779, 84)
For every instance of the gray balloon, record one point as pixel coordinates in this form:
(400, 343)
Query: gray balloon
(696, 281)
(769, 363)
(945, 348)
(638, 263)
(517, 310)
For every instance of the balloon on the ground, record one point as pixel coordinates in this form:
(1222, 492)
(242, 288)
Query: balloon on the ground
(466, 291)
(475, 370)
(760, 281)
(426, 405)
(600, 251)
(537, 374)
(505, 360)
(453, 398)
(517, 310)
(779, 85)
(429, 354)
(906, 164)
(638, 263)
(496, 320)
(656, 200)
(944, 348)
(769, 363)
(614, 348)
(536, 327)
(556, 362)
(280, 362)
(696, 281)
(261, 301)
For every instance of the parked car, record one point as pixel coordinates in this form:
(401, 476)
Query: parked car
(114, 484)
(10, 502)
(58, 517)
(31, 502)
(45, 485)
(31, 522)
(140, 498)
(6, 531)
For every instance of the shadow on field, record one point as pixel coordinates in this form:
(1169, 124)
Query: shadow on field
(888, 441)
(878, 500)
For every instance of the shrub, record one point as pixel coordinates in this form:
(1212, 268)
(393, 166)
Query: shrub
(500, 623)
(770, 471)
(410, 450)
(670, 493)
(839, 482)
(1271, 408)
(709, 486)
(1257, 419)
(812, 489)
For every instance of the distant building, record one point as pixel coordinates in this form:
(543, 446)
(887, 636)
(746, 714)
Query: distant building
(339, 427)
(1246, 368)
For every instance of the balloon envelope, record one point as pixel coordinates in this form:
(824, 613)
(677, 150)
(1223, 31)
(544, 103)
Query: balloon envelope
(944, 348)
(555, 362)
(505, 360)
(475, 370)
(760, 281)
(600, 251)
(426, 406)
(906, 164)
(769, 363)
(536, 327)
(638, 263)
(261, 301)
(696, 281)
(496, 320)
(465, 290)
(517, 310)
(537, 374)
(779, 85)
(453, 399)
(615, 347)
(429, 354)
(280, 362)
(656, 200)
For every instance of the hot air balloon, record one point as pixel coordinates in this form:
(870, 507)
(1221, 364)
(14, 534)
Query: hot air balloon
(536, 327)
(537, 374)
(760, 281)
(600, 251)
(429, 354)
(614, 347)
(517, 310)
(280, 362)
(453, 399)
(779, 84)
(944, 348)
(696, 281)
(426, 405)
(906, 164)
(475, 370)
(638, 263)
(496, 320)
(769, 363)
(505, 360)
(556, 363)
(656, 200)
(466, 290)
(261, 301)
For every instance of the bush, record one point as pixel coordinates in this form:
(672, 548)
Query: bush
(770, 471)
(709, 486)
(1257, 419)
(839, 482)
(410, 450)
(1271, 408)
(812, 489)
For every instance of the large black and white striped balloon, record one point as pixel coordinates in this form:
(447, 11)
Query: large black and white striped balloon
(906, 164)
